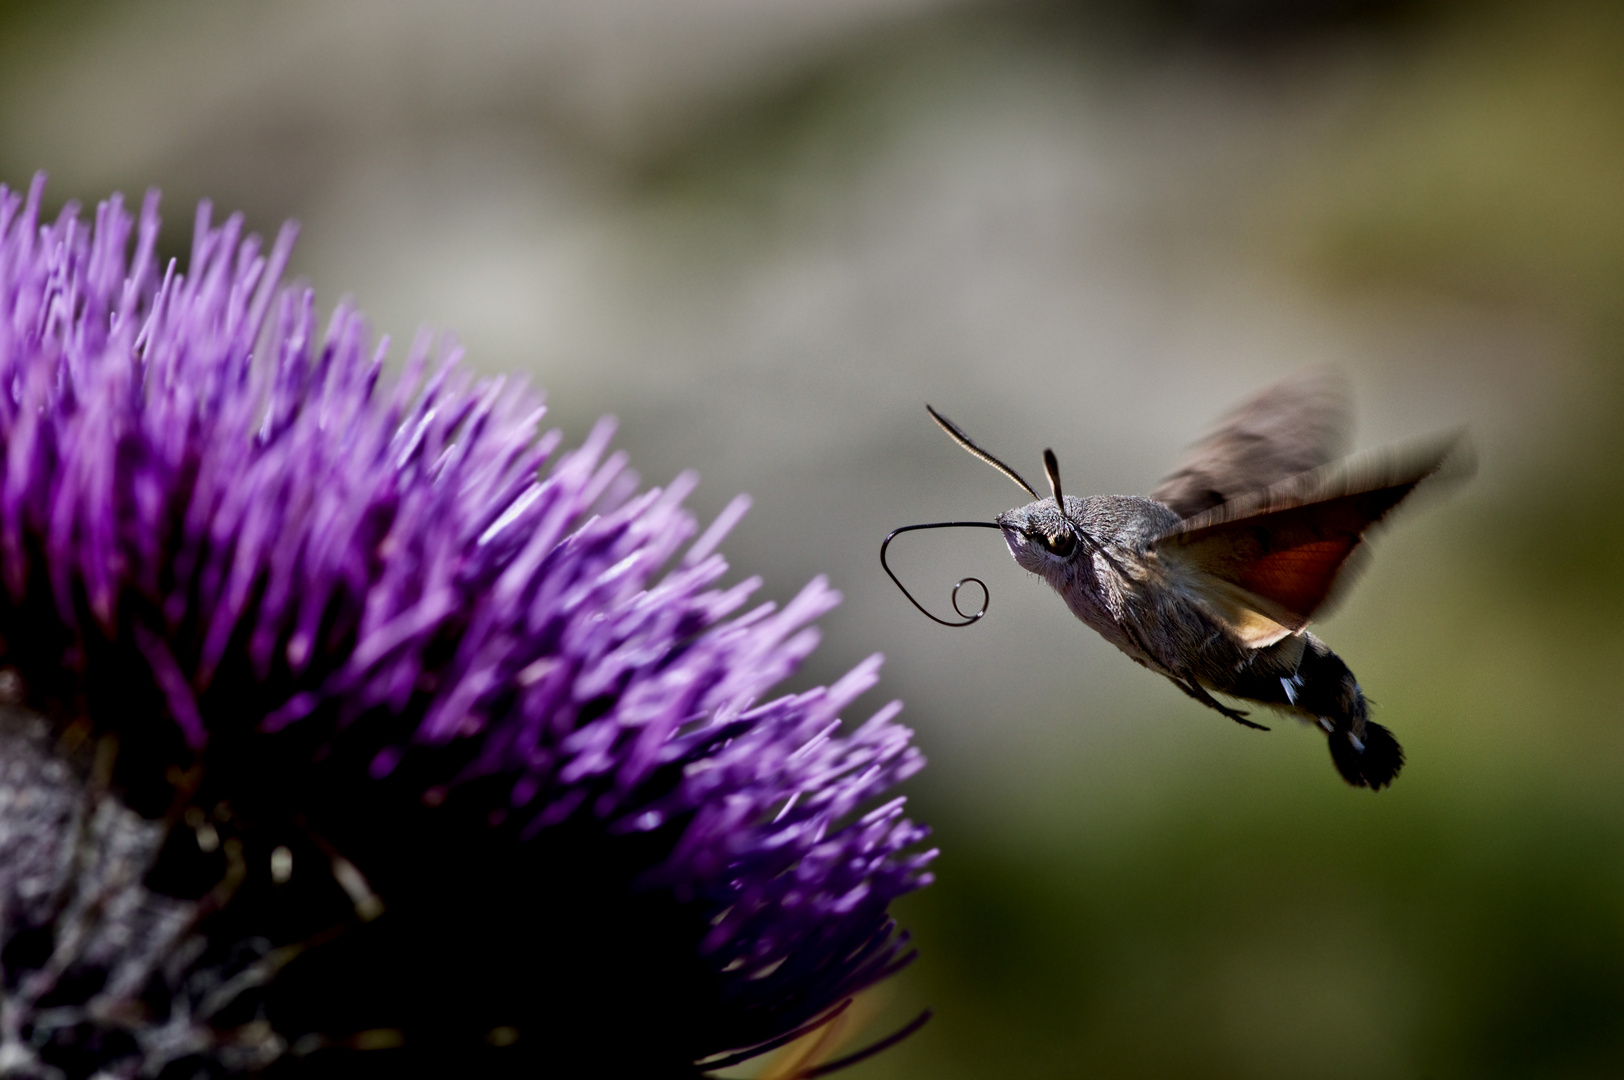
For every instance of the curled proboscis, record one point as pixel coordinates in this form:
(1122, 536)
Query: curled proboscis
(986, 594)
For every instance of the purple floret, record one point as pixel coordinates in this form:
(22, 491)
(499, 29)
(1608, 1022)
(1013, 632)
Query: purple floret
(383, 622)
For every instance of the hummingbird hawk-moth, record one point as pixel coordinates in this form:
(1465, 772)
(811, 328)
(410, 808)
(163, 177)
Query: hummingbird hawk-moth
(1213, 578)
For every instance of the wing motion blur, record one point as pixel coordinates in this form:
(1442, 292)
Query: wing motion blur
(1270, 560)
(1299, 424)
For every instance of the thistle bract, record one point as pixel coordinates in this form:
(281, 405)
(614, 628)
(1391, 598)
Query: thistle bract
(461, 733)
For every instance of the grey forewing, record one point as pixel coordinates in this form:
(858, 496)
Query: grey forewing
(1295, 546)
(1299, 424)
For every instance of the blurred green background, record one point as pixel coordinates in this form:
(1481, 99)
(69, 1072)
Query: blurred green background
(764, 232)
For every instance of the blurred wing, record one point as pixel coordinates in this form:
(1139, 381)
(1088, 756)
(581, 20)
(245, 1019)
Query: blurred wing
(1268, 562)
(1298, 424)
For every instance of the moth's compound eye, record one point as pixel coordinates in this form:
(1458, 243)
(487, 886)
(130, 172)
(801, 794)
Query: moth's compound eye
(1061, 544)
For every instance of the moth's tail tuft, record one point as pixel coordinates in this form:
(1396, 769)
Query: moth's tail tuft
(1364, 752)
(1370, 760)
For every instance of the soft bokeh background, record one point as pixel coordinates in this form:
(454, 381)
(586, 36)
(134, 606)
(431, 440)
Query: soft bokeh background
(764, 232)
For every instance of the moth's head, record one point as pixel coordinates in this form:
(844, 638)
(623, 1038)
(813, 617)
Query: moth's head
(1043, 535)
(1043, 541)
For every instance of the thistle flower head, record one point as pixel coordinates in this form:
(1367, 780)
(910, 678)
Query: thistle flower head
(478, 734)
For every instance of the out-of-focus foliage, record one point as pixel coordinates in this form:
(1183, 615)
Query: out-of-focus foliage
(1491, 160)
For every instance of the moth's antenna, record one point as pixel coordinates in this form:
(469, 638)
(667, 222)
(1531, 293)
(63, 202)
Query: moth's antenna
(965, 441)
(1052, 466)
(986, 596)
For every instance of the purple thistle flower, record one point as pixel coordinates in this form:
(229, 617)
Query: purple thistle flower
(456, 742)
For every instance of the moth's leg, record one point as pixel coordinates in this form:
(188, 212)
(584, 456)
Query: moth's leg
(1195, 690)
(1188, 685)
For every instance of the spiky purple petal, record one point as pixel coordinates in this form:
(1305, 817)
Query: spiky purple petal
(227, 537)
